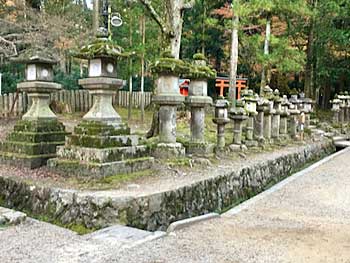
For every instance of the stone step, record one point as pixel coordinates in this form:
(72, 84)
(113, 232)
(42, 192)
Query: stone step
(32, 137)
(21, 160)
(11, 217)
(102, 155)
(42, 126)
(102, 141)
(26, 148)
(96, 170)
(101, 130)
(342, 144)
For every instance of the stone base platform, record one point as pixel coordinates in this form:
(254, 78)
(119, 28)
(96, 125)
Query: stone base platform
(32, 143)
(200, 149)
(99, 150)
(98, 170)
(251, 144)
(169, 151)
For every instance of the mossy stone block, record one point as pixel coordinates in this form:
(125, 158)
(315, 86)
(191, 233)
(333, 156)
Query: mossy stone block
(96, 170)
(39, 126)
(96, 141)
(33, 137)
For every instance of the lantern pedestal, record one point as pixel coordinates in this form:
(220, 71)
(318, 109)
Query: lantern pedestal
(36, 136)
(101, 144)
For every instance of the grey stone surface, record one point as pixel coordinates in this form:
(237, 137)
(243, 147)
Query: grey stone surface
(168, 151)
(11, 217)
(178, 225)
(39, 93)
(103, 88)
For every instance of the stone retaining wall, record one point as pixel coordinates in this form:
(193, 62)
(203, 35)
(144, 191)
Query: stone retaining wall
(157, 211)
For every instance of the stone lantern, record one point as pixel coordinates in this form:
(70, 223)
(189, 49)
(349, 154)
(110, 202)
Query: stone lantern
(238, 115)
(336, 109)
(250, 100)
(259, 120)
(36, 136)
(308, 110)
(347, 107)
(197, 100)
(221, 119)
(168, 98)
(268, 112)
(284, 117)
(343, 107)
(101, 144)
(276, 117)
(294, 120)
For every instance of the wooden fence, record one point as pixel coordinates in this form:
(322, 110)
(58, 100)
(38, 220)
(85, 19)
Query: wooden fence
(76, 100)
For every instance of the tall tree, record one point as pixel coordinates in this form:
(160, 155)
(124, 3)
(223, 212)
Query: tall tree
(171, 22)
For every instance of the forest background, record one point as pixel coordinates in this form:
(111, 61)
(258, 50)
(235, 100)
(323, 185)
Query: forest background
(293, 45)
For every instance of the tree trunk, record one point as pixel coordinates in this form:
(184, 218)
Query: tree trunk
(265, 73)
(96, 15)
(234, 61)
(130, 69)
(175, 21)
(309, 72)
(143, 34)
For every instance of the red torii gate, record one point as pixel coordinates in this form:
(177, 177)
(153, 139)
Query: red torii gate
(222, 83)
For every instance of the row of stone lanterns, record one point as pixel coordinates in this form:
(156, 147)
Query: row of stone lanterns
(341, 108)
(102, 145)
(269, 119)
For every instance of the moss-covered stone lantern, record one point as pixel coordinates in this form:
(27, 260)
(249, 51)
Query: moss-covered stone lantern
(335, 109)
(101, 144)
(284, 117)
(250, 103)
(293, 118)
(343, 107)
(168, 98)
(36, 136)
(268, 113)
(221, 119)
(197, 100)
(276, 116)
(238, 115)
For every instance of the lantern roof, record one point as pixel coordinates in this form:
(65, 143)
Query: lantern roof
(35, 57)
(100, 48)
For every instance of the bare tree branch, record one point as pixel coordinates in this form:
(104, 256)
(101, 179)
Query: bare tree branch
(7, 48)
(148, 5)
(189, 4)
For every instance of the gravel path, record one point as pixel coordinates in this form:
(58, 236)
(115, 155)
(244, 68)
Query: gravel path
(308, 220)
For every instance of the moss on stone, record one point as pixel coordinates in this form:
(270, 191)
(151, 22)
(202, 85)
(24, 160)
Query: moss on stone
(169, 66)
(100, 47)
(39, 126)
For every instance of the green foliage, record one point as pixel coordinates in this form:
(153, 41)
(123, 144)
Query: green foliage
(69, 81)
(11, 75)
